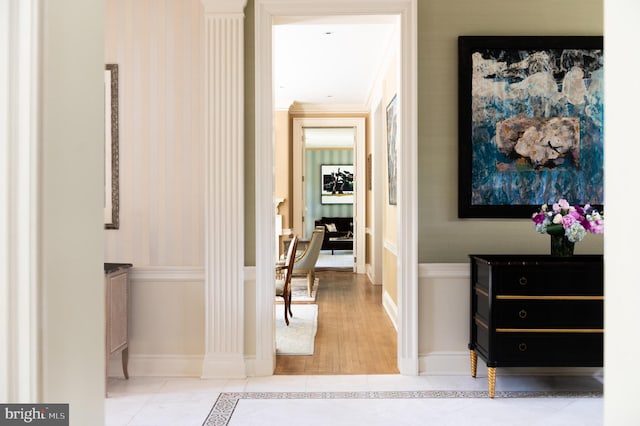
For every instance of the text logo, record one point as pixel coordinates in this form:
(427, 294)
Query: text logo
(34, 414)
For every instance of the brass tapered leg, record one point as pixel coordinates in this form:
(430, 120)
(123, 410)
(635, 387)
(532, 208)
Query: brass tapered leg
(474, 362)
(492, 381)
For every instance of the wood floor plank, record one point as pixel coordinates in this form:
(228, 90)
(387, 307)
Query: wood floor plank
(355, 335)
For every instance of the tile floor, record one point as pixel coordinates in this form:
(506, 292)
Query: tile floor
(153, 401)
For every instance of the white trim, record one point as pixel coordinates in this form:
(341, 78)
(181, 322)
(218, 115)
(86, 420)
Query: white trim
(265, 11)
(20, 241)
(308, 108)
(359, 155)
(223, 110)
(146, 365)
(390, 247)
(265, 360)
(390, 308)
(167, 274)
(443, 270)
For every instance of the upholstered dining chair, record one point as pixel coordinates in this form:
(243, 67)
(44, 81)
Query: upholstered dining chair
(305, 263)
(283, 278)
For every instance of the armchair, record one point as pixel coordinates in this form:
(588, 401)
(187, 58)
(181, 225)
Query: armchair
(305, 263)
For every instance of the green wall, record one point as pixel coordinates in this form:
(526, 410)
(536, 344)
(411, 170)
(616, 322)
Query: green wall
(315, 210)
(442, 236)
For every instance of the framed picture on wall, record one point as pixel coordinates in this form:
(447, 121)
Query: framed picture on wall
(392, 154)
(337, 184)
(531, 113)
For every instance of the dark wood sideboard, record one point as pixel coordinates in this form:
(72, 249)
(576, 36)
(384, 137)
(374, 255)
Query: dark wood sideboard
(536, 311)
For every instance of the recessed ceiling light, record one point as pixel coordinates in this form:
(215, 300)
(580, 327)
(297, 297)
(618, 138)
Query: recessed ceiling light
(328, 32)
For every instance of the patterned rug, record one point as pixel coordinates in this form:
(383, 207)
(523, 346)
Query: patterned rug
(222, 410)
(298, 338)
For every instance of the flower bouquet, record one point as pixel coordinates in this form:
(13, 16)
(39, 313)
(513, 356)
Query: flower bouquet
(567, 224)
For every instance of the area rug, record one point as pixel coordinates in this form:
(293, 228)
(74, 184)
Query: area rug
(225, 405)
(300, 292)
(299, 337)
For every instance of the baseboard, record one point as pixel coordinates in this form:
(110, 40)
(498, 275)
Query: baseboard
(391, 309)
(458, 363)
(158, 366)
(167, 273)
(454, 363)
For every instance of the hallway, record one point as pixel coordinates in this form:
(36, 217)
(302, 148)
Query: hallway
(355, 335)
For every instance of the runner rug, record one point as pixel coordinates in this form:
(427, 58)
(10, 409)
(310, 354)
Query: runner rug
(299, 336)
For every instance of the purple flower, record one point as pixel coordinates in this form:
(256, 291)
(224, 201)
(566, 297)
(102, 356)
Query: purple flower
(538, 218)
(567, 221)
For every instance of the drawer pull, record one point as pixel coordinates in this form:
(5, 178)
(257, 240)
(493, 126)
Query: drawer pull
(523, 280)
(522, 347)
(522, 314)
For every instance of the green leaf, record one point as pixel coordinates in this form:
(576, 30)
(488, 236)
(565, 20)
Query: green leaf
(555, 229)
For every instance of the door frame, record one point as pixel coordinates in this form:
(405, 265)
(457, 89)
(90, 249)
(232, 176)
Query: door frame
(358, 123)
(407, 261)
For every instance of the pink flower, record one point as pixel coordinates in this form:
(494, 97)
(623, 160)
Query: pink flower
(567, 221)
(564, 204)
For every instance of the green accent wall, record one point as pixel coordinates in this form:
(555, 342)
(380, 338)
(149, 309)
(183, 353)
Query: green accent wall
(314, 158)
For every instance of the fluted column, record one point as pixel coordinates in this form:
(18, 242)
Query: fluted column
(224, 198)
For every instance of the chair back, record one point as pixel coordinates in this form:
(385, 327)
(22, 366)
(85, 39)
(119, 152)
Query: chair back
(308, 259)
(290, 259)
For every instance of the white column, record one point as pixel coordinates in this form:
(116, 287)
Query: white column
(224, 164)
(19, 201)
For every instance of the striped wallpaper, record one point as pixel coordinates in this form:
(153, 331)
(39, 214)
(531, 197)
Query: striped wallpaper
(157, 45)
(314, 158)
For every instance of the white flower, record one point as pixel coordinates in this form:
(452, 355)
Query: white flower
(557, 218)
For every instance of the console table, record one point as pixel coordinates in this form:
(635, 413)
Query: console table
(116, 285)
(536, 311)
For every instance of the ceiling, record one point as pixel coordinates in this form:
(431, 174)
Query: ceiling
(329, 60)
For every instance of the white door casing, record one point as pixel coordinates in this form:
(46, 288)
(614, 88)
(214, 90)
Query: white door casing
(358, 124)
(265, 12)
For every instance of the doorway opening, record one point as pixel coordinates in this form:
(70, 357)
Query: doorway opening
(405, 255)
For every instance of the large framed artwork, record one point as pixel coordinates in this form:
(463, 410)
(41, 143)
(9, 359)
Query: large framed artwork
(337, 183)
(530, 123)
(392, 154)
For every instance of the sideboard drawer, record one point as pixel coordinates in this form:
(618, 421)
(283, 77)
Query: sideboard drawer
(550, 349)
(525, 313)
(551, 280)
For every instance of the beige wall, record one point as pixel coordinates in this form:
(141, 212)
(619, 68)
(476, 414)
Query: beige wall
(390, 215)
(70, 239)
(283, 166)
(442, 236)
(162, 222)
(157, 46)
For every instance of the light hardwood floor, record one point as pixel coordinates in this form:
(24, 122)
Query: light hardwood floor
(355, 335)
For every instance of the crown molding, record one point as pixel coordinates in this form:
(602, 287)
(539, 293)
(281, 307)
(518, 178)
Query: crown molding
(311, 108)
(224, 6)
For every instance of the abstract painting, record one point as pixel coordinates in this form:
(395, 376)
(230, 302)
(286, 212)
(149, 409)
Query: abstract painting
(337, 184)
(531, 131)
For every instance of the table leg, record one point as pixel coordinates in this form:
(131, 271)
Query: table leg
(125, 362)
(474, 362)
(492, 381)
